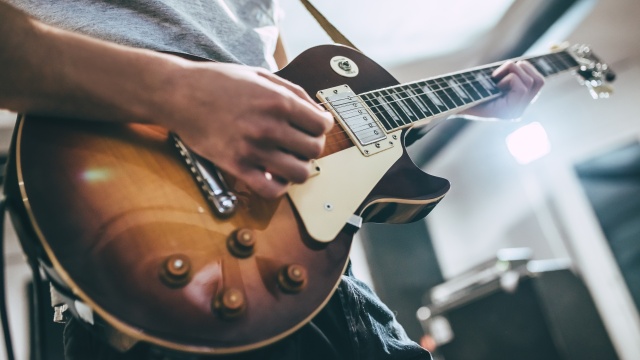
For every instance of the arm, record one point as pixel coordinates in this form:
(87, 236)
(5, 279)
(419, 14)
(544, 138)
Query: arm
(239, 117)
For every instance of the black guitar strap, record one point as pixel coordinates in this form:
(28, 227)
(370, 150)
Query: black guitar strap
(331, 30)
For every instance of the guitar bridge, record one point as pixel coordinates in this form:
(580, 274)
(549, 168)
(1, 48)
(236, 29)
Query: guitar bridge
(209, 180)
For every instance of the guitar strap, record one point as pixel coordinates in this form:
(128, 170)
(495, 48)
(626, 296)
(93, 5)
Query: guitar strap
(331, 30)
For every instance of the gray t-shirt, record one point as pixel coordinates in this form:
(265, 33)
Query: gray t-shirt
(238, 31)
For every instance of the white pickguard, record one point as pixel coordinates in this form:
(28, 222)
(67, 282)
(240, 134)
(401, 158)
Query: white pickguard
(325, 202)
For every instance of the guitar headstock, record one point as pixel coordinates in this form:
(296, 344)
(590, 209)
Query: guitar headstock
(593, 73)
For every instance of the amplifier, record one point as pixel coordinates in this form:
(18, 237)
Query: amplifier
(514, 309)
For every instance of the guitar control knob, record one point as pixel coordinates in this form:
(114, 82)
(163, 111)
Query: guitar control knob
(242, 243)
(292, 278)
(230, 303)
(176, 270)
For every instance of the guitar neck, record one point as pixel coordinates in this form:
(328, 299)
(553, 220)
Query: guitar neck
(403, 105)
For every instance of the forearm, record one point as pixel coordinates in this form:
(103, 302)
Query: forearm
(49, 71)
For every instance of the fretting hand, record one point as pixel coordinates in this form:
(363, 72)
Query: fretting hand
(520, 83)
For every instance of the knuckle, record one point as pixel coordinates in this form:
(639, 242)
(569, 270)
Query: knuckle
(316, 148)
(329, 122)
(262, 130)
(298, 88)
(300, 174)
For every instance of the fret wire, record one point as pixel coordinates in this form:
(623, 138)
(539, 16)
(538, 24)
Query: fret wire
(402, 104)
(446, 87)
(389, 106)
(440, 90)
(457, 78)
(464, 95)
(568, 60)
(444, 98)
(473, 94)
(425, 99)
(555, 63)
(396, 109)
(379, 114)
(406, 103)
(457, 100)
(424, 107)
(414, 105)
(448, 101)
(433, 97)
(475, 82)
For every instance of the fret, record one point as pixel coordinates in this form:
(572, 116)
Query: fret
(395, 117)
(399, 99)
(542, 65)
(557, 63)
(425, 99)
(411, 99)
(403, 118)
(444, 86)
(378, 110)
(434, 88)
(466, 84)
(486, 82)
(473, 81)
(420, 102)
(566, 60)
(459, 90)
(405, 104)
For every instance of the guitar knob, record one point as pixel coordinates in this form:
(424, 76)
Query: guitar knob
(292, 278)
(230, 303)
(176, 270)
(242, 243)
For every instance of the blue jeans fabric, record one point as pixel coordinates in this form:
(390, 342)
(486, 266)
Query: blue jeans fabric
(355, 324)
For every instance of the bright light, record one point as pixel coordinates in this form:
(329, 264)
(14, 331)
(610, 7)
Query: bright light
(528, 143)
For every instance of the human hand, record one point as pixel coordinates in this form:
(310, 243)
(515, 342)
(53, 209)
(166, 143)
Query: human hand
(520, 83)
(249, 122)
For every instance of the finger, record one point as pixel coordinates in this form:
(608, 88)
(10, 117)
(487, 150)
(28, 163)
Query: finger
(513, 68)
(512, 86)
(290, 86)
(282, 165)
(538, 79)
(263, 184)
(296, 142)
(307, 115)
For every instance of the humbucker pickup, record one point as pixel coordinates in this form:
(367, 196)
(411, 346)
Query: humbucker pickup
(356, 118)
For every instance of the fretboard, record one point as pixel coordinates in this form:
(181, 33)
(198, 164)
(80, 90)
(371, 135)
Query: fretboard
(402, 105)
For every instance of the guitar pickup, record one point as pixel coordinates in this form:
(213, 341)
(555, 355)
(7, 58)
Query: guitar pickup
(358, 121)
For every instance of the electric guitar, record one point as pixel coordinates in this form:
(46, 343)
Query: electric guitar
(149, 242)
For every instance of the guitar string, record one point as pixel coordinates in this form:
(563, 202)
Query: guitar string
(487, 69)
(427, 107)
(466, 81)
(435, 92)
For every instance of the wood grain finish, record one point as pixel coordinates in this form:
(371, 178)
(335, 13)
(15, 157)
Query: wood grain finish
(110, 203)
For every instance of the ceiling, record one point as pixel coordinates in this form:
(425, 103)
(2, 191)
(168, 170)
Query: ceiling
(396, 32)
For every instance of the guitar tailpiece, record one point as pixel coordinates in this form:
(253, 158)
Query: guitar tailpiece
(208, 179)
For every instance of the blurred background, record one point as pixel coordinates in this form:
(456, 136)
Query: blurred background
(535, 251)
